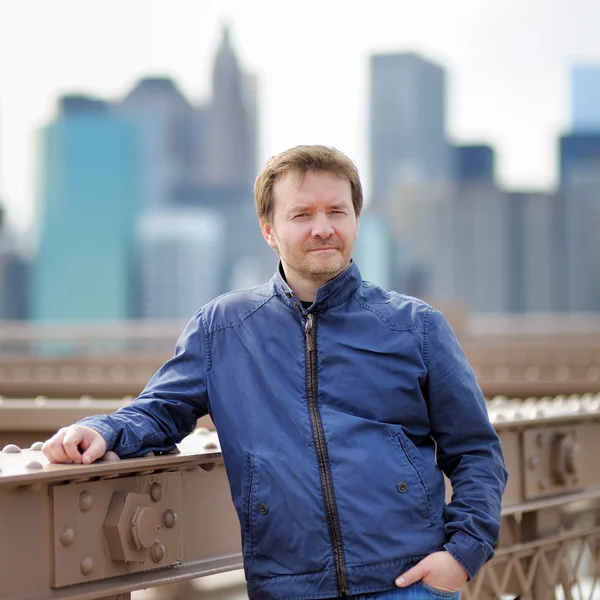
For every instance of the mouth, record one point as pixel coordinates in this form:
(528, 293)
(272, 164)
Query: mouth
(323, 249)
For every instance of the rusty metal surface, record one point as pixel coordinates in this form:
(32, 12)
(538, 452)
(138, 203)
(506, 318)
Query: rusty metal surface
(23, 422)
(518, 356)
(101, 530)
(71, 526)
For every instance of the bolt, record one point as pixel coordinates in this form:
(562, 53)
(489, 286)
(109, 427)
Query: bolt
(11, 449)
(156, 492)
(85, 501)
(67, 536)
(157, 552)
(170, 519)
(34, 464)
(87, 565)
(144, 526)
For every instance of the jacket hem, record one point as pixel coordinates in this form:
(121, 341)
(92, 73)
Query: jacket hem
(362, 579)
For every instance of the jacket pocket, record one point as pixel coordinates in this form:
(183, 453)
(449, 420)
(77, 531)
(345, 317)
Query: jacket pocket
(416, 467)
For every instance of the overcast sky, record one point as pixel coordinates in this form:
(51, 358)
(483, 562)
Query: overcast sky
(508, 65)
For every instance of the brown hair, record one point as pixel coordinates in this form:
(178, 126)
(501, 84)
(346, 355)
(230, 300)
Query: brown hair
(301, 160)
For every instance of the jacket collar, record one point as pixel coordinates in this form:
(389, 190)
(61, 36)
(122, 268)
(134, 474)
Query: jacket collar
(331, 294)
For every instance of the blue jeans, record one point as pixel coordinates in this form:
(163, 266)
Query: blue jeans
(417, 591)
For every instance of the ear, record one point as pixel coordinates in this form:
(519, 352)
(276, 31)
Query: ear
(268, 233)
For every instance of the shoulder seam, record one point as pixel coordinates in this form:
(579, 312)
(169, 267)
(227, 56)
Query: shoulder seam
(381, 317)
(239, 321)
(426, 322)
(206, 343)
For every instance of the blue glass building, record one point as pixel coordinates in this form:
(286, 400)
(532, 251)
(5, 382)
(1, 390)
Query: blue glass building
(585, 98)
(83, 265)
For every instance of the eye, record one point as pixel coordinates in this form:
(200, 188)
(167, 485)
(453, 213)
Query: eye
(300, 215)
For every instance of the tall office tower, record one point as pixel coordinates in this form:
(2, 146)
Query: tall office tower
(473, 164)
(231, 121)
(13, 274)
(585, 98)
(86, 207)
(532, 252)
(581, 225)
(407, 124)
(469, 233)
(169, 132)
(180, 256)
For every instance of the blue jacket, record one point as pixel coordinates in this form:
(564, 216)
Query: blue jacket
(336, 424)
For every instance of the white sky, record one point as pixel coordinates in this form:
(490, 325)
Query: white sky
(508, 63)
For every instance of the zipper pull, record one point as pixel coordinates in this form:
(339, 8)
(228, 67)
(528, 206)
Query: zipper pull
(308, 330)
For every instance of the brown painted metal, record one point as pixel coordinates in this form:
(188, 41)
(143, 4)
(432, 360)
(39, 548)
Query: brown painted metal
(518, 356)
(60, 516)
(97, 531)
(23, 422)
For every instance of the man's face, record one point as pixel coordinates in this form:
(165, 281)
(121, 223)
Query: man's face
(313, 225)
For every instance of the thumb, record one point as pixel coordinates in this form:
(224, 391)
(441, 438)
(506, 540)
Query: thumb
(412, 575)
(96, 450)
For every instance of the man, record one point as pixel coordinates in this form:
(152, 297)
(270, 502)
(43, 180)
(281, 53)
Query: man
(338, 406)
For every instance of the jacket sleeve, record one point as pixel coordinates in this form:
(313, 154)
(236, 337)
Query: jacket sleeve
(468, 448)
(169, 406)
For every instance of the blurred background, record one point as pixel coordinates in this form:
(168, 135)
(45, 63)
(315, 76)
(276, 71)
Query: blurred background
(131, 133)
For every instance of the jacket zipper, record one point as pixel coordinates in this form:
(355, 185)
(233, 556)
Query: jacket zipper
(321, 446)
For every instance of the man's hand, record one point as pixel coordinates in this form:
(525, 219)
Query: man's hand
(439, 570)
(75, 444)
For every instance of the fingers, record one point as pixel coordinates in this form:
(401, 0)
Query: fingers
(96, 450)
(412, 575)
(65, 446)
(53, 448)
(73, 437)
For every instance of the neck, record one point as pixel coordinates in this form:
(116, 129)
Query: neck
(304, 289)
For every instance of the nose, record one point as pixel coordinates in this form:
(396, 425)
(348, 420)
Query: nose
(322, 226)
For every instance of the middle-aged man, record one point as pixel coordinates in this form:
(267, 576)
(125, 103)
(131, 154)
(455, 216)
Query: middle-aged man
(339, 406)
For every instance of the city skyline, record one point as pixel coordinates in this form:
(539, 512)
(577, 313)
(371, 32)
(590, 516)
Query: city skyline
(513, 96)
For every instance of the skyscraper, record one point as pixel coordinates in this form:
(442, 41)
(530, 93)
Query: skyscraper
(585, 98)
(181, 254)
(169, 138)
(231, 121)
(407, 123)
(13, 274)
(88, 199)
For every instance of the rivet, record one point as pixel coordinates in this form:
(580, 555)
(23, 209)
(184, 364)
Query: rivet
(37, 446)
(34, 464)
(157, 552)
(170, 519)
(211, 446)
(11, 449)
(156, 492)
(67, 536)
(263, 508)
(402, 487)
(87, 565)
(85, 501)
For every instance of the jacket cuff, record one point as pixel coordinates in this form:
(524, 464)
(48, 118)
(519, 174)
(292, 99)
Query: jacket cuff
(101, 424)
(470, 553)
